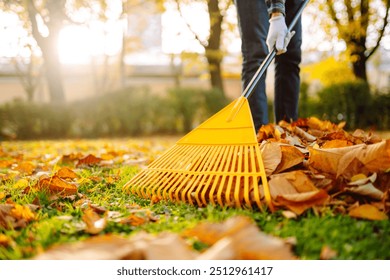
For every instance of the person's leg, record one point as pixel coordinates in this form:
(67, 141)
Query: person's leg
(253, 25)
(287, 79)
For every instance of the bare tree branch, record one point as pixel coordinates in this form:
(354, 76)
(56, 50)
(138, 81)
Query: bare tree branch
(382, 31)
(203, 43)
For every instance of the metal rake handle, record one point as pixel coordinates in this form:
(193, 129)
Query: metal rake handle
(267, 61)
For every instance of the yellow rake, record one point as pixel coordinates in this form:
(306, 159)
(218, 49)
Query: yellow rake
(219, 162)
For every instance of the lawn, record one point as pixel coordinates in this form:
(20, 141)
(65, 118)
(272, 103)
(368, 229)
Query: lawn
(57, 193)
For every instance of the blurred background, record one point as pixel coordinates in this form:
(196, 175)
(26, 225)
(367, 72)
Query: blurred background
(118, 68)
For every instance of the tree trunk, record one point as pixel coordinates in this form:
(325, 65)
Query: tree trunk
(213, 52)
(359, 67)
(53, 71)
(215, 69)
(48, 45)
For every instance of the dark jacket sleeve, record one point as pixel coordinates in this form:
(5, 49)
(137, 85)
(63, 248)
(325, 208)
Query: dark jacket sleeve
(275, 6)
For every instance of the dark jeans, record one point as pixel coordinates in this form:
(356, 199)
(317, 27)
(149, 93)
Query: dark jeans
(253, 20)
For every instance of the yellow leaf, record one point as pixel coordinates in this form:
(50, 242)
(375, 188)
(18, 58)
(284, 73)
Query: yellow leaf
(4, 240)
(22, 212)
(21, 183)
(2, 195)
(369, 212)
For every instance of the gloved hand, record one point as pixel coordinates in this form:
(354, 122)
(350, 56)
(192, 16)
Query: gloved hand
(278, 35)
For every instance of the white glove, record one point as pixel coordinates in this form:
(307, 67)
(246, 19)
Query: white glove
(278, 35)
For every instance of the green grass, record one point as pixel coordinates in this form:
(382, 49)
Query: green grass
(59, 221)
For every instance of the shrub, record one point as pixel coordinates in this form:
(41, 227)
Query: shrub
(349, 101)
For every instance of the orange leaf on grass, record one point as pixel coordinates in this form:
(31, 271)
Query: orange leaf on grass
(89, 160)
(56, 185)
(66, 173)
(369, 212)
(25, 167)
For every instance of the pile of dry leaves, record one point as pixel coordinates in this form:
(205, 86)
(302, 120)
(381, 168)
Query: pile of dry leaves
(312, 164)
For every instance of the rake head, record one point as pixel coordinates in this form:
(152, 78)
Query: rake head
(219, 162)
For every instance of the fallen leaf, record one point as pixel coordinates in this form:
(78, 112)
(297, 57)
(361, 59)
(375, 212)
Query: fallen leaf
(369, 212)
(25, 167)
(289, 214)
(291, 156)
(327, 253)
(328, 160)
(337, 143)
(4, 240)
(56, 185)
(142, 246)
(245, 239)
(13, 216)
(94, 223)
(303, 134)
(271, 154)
(89, 160)
(296, 191)
(365, 159)
(362, 185)
(66, 173)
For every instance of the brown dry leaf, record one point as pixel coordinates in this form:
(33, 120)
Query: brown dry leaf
(71, 158)
(94, 223)
(296, 191)
(271, 154)
(362, 185)
(142, 246)
(303, 134)
(365, 159)
(327, 160)
(89, 160)
(291, 156)
(265, 132)
(66, 173)
(369, 212)
(57, 185)
(241, 239)
(133, 220)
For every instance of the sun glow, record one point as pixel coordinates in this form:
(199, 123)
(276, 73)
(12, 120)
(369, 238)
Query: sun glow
(79, 44)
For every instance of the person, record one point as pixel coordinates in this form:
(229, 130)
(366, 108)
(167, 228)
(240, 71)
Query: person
(263, 26)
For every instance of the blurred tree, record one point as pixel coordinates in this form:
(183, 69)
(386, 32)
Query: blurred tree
(329, 71)
(29, 71)
(44, 20)
(216, 10)
(361, 24)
